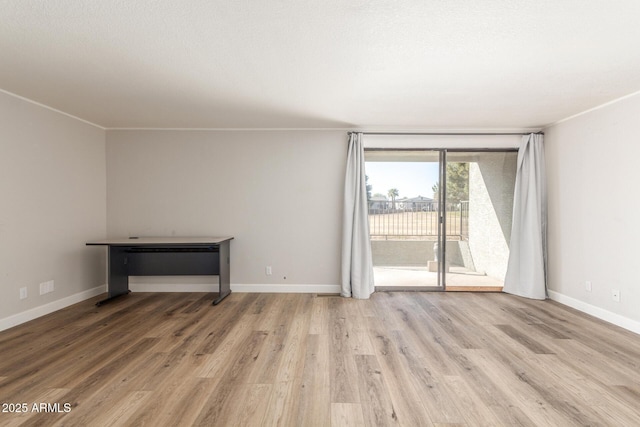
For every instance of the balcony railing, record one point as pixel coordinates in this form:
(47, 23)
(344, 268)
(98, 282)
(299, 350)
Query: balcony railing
(417, 220)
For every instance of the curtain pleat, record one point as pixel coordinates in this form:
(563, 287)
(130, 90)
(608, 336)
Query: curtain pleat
(357, 264)
(527, 268)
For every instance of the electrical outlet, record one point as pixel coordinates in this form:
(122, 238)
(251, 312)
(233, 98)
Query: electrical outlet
(587, 286)
(615, 295)
(43, 288)
(23, 293)
(267, 270)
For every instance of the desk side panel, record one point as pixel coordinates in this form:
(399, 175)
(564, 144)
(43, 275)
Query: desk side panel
(118, 274)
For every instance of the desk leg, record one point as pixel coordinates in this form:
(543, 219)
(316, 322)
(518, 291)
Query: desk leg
(118, 275)
(109, 299)
(225, 272)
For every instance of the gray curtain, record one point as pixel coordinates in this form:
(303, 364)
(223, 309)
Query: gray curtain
(527, 268)
(357, 265)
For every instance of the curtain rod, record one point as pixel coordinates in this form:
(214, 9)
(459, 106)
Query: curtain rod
(444, 133)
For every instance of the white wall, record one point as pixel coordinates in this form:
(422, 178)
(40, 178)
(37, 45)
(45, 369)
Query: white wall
(594, 210)
(52, 200)
(279, 193)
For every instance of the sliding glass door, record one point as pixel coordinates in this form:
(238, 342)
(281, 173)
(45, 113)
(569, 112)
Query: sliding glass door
(440, 219)
(404, 218)
(479, 205)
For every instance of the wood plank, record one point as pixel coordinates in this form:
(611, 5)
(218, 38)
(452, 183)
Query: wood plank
(472, 406)
(314, 393)
(440, 405)
(377, 407)
(277, 327)
(320, 316)
(282, 409)
(248, 405)
(119, 414)
(292, 362)
(524, 340)
(347, 415)
(217, 406)
(407, 405)
(342, 364)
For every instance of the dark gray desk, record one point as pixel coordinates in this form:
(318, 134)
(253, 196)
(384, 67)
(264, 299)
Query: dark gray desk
(166, 256)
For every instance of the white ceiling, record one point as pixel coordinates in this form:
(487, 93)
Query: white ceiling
(423, 64)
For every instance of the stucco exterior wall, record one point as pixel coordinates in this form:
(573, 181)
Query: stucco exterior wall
(491, 184)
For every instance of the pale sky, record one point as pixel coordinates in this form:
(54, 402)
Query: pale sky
(412, 179)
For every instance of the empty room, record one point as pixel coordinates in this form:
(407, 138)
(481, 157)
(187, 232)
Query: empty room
(305, 213)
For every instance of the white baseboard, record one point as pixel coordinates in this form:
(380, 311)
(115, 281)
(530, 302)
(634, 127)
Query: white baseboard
(600, 313)
(43, 310)
(291, 289)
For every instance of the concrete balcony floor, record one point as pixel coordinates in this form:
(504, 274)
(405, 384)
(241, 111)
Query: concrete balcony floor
(412, 277)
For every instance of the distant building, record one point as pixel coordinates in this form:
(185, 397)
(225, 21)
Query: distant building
(419, 203)
(378, 204)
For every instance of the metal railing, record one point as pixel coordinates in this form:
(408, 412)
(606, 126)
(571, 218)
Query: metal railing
(416, 220)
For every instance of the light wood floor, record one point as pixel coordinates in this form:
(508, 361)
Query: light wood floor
(409, 359)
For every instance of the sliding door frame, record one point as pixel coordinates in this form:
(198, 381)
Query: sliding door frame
(442, 213)
(441, 240)
(441, 283)
(442, 206)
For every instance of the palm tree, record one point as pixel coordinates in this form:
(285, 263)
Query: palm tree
(393, 193)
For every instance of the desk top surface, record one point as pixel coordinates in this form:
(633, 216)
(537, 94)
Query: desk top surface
(135, 241)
